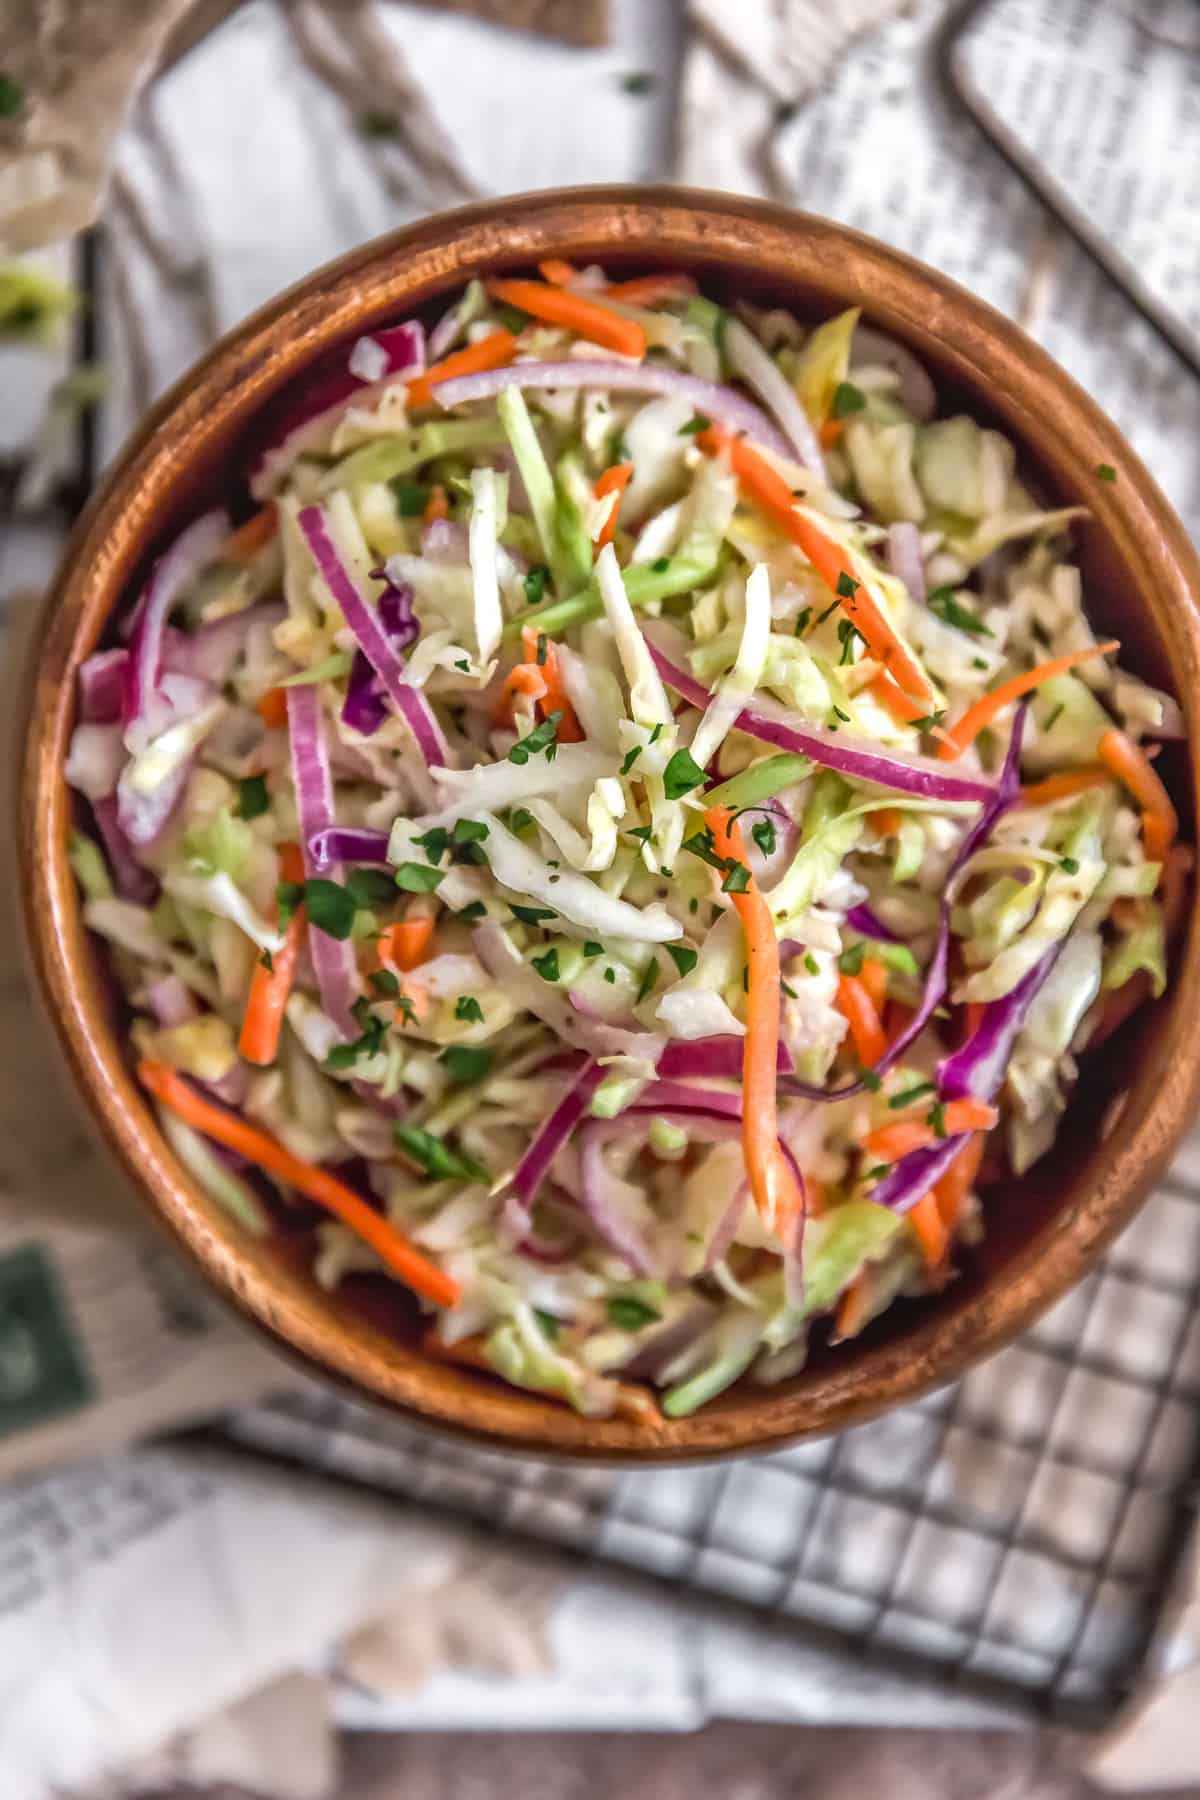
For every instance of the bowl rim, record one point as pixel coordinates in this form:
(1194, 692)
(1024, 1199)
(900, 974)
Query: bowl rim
(145, 486)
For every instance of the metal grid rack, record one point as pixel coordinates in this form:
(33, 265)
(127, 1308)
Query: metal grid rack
(1017, 1534)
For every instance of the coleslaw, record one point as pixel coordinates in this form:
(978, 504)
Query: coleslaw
(630, 834)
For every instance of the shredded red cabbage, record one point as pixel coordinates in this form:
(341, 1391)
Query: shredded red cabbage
(143, 713)
(333, 960)
(347, 844)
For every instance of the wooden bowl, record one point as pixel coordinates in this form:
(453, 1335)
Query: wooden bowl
(1141, 575)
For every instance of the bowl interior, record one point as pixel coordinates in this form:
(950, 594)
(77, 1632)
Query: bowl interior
(1139, 574)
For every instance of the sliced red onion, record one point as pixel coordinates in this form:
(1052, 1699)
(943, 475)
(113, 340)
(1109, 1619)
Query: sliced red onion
(710, 398)
(348, 844)
(713, 1057)
(726, 1229)
(762, 373)
(603, 1195)
(915, 1174)
(679, 1096)
(365, 707)
(333, 960)
(193, 550)
(858, 758)
(211, 654)
(170, 1001)
(372, 638)
(533, 1167)
(398, 350)
(863, 920)
(905, 559)
(132, 881)
(102, 686)
(308, 408)
(917, 391)
(976, 1069)
(1006, 794)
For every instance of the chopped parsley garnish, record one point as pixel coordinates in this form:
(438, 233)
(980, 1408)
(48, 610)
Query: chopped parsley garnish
(843, 716)
(850, 962)
(701, 844)
(435, 842)
(268, 962)
(656, 733)
(684, 959)
(411, 498)
(846, 636)
(1052, 721)
(661, 564)
(288, 896)
(520, 819)
(737, 877)
(591, 948)
(531, 915)
(370, 888)
(871, 1081)
(437, 1159)
(535, 584)
(630, 758)
(385, 982)
(253, 799)
(418, 878)
(846, 587)
(979, 662)
(942, 602)
(541, 650)
(466, 1063)
(549, 1324)
(630, 1314)
(681, 775)
(344, 1056)
(468, 1009)
(474, 909)
(802, 618)
(642, 833)
(847, 399)
(928, 720)
(547, 964)
(910, 1094)
(469, 831)
(693, 904)
(695, 426)
(877, 1171)
(464, 664)
(821, 617)
(543, 737)
(763, 834)
(937, 1118)
(610, 974)
(331, 907)
(811, 963)
(1069, 865)
(1106, 472)
(405, 1010)
(649, 977)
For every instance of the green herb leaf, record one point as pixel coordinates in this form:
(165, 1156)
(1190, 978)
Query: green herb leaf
(910, 1094)
(410, 497)
(811, 963)
(268, 962)
(701, 844)
(649, 977)
(531, 915)
(628, 1313)
(763, 834)
(871, 1081)
(465, 1063)
(385, 982)
(631, 757)
(681, 775)
(547, 964)
(519, 819)
(470, 831)
(656, 733)
(821, 617)
(850, 962)
(253, 799)
(435, 842)
(1069, 865)
(288, 896)
(684, 959)
(937, 1118)
(418, 878)
(331, 907)
(942, 602)
(436, 1157)
(593, 949)
(847, 587)
(847, 399)
(549, 1324)
(474, 909)
(468, 1009)
(643, 833)
(370, 888)
(535, 584)
(737, 878)
(610, 975)
(406, 1011)
(661, 564)
(543, 737)
(695, 426)
(802, 618)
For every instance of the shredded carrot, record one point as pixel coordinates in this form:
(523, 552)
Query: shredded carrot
(270, 985)
(1064, 786)
(851, 1314)
(589, 319)
(926, 1220)
(954, 1188)
(874, 979)
(437, 506)
(557, 272)
(271, 707)
(265, 1152)
(859, 1010)
(973, 721)
(406, 944)
(829, 433)
(630, 1402)
(770, 491)
(649, 290)
(613, 481)
(555, 697)
(244, 543)
(526, 678)
(491, 352)
(776, 1193)
(1160, 822)
(891, 1142)
(885, 821)
(901, 708)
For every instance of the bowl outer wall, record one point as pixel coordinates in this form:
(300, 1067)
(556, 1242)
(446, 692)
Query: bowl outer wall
(1136, 547)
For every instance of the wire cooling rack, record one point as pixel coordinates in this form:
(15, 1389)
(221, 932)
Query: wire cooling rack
(1019, 1532)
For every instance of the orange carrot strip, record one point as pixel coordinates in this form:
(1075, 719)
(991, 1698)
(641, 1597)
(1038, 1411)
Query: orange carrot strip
(954, 1188)
(406, 943)
(1160, 822)
(857, 1008)
(573, 312)
(271, 707)
(437, 506)
(932, 1236)
(771, 492)
(776, 1194)
(649, 290)
(557, 272)
(491, 352)
(1064, 786)
(852, 1309)
(613, 481)
(891, 1142)
(270, 986)
(874, 979)
(401, 1257)
(988, 705)
(555, 698)
(885, 821)
(829, 432)
(244, 543)
(527, 679)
